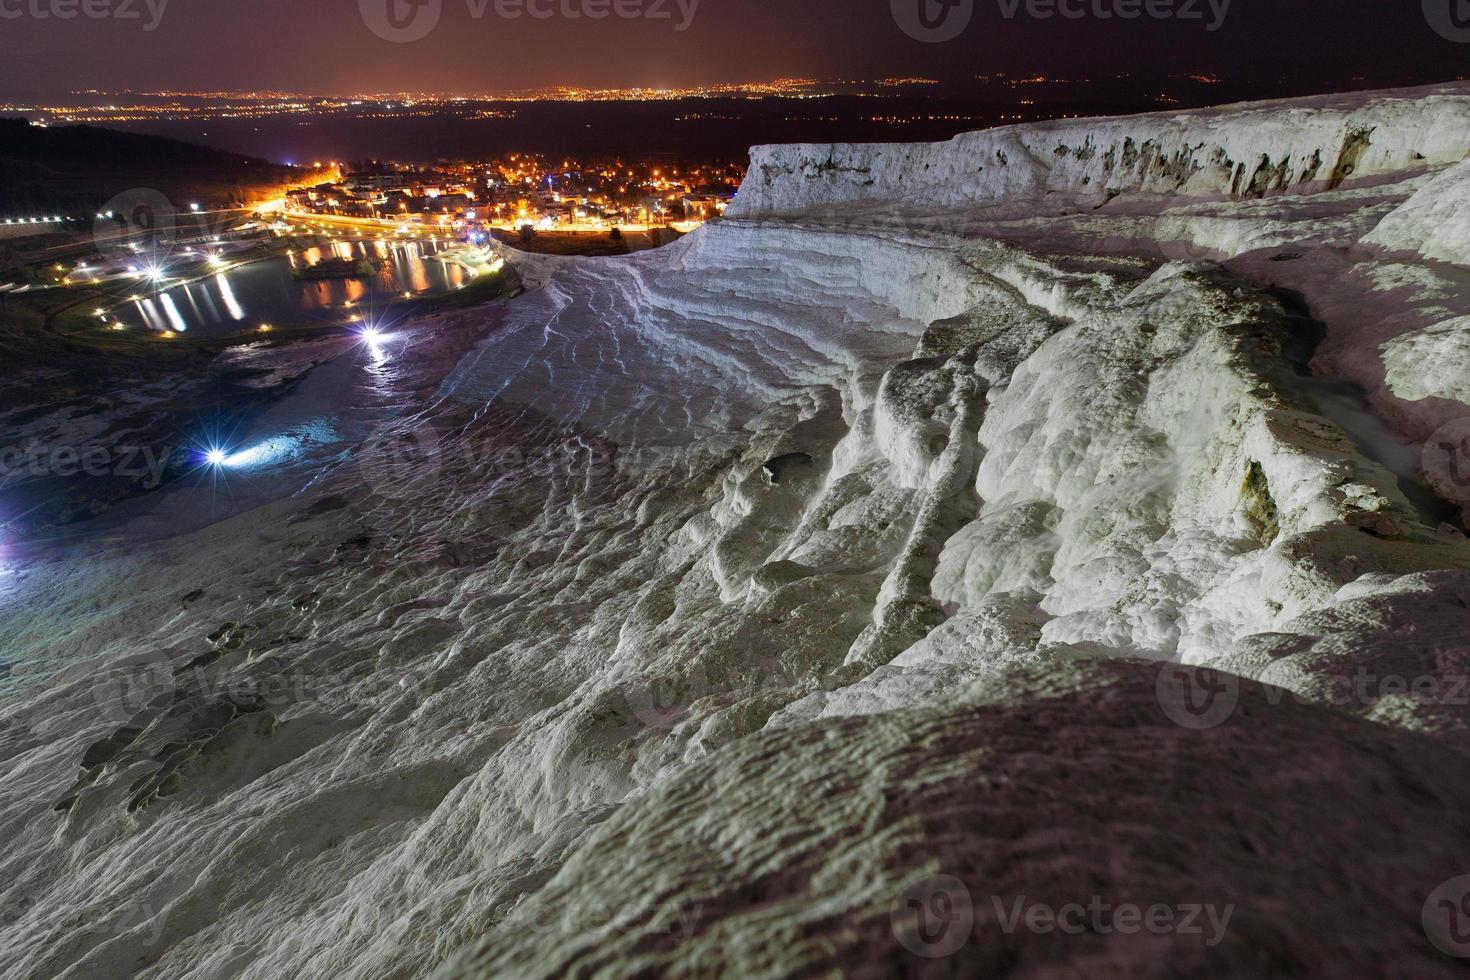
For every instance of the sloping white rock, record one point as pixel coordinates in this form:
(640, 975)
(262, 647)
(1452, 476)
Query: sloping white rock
(922, 843)
(1431, 363)
(735, 548)
(1435, 222)
(1246, 150)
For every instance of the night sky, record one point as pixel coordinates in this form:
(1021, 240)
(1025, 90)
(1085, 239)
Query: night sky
(324, 46)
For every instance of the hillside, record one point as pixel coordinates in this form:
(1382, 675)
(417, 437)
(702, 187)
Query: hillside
(74, 169)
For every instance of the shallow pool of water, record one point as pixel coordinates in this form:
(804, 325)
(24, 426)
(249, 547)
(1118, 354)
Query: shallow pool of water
(268, 292)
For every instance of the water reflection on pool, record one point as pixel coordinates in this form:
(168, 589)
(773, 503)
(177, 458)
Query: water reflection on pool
(268, 292)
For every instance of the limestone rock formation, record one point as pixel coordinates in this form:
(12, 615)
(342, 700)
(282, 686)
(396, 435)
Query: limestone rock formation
(1064, 513)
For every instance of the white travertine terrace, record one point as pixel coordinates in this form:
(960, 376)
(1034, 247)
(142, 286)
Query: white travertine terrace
(748, 582)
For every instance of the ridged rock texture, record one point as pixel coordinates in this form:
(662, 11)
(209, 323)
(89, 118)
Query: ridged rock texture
(1062, 517)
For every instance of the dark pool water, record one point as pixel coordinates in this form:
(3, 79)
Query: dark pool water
(267, 292)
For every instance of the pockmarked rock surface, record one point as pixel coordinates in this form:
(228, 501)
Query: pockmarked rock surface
(952, 537)
(1057, 823)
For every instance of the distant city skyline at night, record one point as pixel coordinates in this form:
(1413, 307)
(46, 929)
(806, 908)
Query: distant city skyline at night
(57, 47)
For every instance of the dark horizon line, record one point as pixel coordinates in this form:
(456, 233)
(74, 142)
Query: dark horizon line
(915, 82)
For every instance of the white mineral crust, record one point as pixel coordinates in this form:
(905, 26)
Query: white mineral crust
(739, 585)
